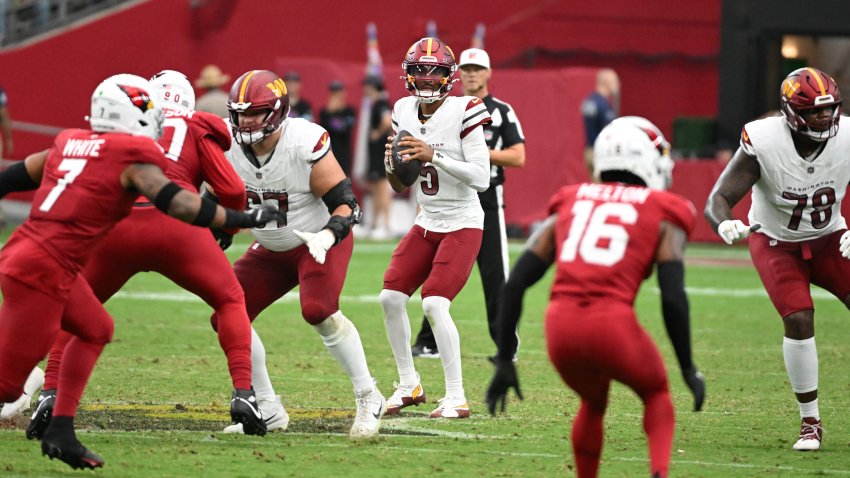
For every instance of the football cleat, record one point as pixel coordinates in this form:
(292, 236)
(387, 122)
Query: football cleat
(60, 441)
(811, 435)
(244, 410)
(71, 452)
(22, 404)
(42, 414)
(371, 406)
(451, 407)
(424, 351)
(405, 396)
(273, 413)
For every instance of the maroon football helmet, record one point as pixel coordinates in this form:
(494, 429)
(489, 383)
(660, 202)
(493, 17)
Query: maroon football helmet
(255, 91)
(429, 62)
(807, 89)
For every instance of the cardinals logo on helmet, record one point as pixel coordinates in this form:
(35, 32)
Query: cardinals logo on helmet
(139, 97)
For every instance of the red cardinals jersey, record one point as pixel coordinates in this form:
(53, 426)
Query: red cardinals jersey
(80, 198)
(607, 235)
(195, 141)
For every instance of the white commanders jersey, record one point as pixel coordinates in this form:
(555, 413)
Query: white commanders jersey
(795, 199)
(447, 204)
(283, 181)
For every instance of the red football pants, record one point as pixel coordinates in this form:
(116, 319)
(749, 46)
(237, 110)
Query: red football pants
(30, 320)
(592, 345)
(149, 240)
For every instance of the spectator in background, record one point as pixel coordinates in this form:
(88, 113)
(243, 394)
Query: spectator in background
(5, 126)
(214, 100)
(338, 118)
(599, 109)
(380, 126)
(298, 107)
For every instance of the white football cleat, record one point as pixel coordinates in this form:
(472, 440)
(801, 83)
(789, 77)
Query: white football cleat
(451, 407)
(22, 404)
(273, 413)
(811, 434)
(371, 406)
(405, 396)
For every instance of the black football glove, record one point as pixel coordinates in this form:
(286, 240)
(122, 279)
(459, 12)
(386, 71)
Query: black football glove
(696, 382)
(224, 239)
(503, 379)
(252, 218)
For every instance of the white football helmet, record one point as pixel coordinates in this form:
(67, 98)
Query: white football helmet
(123, 104)
(172, 89)
(635, 145)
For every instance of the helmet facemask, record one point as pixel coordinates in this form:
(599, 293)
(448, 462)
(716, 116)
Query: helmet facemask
(253, 133)
(439, 76)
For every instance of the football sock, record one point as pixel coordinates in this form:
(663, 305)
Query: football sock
(448, 342)
(394, 304)
(809, 409)
(801, 362)
(343, 342)
(263, 388)
(79, 359)
(659, 424)
(234, 335)
(54, 360)
(587, 436)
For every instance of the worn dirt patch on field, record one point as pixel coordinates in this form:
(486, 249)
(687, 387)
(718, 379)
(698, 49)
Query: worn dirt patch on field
(212, 418)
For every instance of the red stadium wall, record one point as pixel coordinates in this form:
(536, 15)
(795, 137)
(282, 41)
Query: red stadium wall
(665, 53)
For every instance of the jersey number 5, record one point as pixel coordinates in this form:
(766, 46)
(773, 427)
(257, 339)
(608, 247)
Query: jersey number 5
(592, 238)
(73, 167)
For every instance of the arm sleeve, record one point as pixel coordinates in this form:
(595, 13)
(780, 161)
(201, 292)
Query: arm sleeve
(219, 173)
(676, 310)
(475, 172)
(526, 272)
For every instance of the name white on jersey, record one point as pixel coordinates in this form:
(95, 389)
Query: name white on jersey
(284, 182)
(796, 200)
(447, 204)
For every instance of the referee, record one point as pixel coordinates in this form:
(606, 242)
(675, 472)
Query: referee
(507, 149)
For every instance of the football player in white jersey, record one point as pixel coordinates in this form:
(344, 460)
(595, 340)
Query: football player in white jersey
(440, 249)
(796, 165)
(288, 162)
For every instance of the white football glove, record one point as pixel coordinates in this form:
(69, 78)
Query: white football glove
(317, 242)
(732, 230)
(844, 245)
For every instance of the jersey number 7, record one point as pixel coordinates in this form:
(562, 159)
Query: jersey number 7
(73, 167)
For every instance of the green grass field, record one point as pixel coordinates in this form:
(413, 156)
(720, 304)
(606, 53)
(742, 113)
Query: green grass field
(159, 396)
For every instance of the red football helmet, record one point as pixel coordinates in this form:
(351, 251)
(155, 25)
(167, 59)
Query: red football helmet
(256, 91)
(807, 89)
(429, 62)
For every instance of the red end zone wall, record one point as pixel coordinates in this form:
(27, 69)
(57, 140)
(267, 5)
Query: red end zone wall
(49, 82)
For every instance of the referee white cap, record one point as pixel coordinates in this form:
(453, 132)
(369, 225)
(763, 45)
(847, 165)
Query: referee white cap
(475, 56)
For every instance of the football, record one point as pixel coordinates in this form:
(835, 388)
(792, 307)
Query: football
(405, 171)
